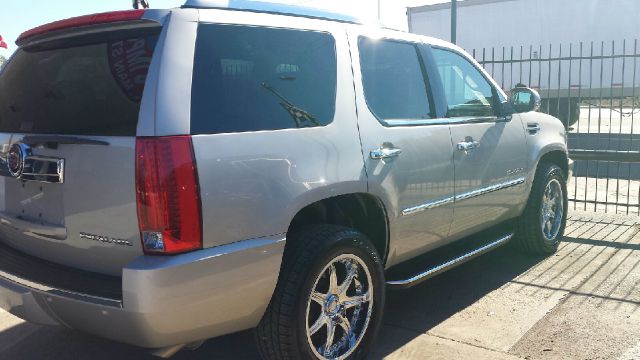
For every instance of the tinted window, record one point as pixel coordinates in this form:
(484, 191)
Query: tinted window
(90, 89)
(467, 91)
(392, 78)
(252, 78)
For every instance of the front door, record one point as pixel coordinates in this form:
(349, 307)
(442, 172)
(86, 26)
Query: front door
(490, 152)
(407, 150)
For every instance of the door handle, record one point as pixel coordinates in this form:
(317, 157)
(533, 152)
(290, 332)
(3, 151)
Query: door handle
(385, 153)
(468, 145)
(533, 128)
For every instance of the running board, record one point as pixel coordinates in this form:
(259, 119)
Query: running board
(433, 271)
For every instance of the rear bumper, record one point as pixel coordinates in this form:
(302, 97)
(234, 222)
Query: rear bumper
(165, 300)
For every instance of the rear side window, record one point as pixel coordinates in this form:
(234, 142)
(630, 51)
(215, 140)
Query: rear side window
(88, 89)
(254, 78)
(467, 91)
(393, 80)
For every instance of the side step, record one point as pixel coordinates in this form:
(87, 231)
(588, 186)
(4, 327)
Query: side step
(415, 279)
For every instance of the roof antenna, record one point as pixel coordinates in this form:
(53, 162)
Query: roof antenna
(140, 3)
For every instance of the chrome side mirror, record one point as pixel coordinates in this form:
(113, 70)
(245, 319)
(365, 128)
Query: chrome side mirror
(525, 99)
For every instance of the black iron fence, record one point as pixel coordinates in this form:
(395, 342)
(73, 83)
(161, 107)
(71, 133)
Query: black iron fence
(594, 89)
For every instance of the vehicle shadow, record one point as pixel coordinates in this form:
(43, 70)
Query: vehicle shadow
(423, 307)
(418, 309)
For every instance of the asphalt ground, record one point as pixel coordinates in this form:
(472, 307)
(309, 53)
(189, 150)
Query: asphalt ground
(581, 303)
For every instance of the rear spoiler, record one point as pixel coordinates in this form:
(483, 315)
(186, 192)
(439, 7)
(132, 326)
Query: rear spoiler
(88, 22)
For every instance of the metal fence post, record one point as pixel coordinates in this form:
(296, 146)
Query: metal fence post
(454, 20)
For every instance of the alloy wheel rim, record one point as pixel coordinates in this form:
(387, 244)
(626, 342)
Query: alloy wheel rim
(552, 210)
(339, 307)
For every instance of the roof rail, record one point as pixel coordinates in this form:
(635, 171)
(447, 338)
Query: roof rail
(275, 8)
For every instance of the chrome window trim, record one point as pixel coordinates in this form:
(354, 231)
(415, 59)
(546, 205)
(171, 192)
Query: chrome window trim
(472, 119)
(463, 196)
(416, 122)
(443, 121)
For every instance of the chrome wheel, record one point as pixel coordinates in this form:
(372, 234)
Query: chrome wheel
(552, 210)
(339, 307)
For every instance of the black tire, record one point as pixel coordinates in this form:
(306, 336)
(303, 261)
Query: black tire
(282, 333)
(530, 236)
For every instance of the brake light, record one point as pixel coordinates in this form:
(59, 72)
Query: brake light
(86, 20)
(168, 198)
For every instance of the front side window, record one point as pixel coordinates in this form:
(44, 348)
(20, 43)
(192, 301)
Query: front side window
(393, 81)
(249, 78)
(468, 93)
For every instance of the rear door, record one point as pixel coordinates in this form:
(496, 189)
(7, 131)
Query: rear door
(68, 118)
(407, 149)
(490, 154)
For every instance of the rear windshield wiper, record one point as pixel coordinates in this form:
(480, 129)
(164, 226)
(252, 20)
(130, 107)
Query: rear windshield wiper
(301, 117)
(55, 140)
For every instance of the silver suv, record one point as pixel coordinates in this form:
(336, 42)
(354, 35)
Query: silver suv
(170, 176)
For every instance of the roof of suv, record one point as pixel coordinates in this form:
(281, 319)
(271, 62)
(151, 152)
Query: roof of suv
(275, 8)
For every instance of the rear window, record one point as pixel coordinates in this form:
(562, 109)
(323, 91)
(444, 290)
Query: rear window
(88, 89)
(255, 78)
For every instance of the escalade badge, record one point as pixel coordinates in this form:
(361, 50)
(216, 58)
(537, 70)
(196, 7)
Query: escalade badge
(105, 239)
(15, 159)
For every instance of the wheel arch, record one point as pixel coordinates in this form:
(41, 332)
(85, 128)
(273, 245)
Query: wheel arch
(558, 157)
(361, 211)
(552, 153)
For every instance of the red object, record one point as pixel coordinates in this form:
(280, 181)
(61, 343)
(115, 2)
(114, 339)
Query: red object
(129, 61)
(168, 196)
(2, 43)
(86, 20)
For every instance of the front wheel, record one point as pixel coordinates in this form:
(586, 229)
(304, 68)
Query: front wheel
(540, 228)
(329, 299)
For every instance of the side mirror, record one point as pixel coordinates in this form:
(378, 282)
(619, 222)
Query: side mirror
(525, 99)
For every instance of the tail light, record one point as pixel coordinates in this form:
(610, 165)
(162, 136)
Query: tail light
(168, 198)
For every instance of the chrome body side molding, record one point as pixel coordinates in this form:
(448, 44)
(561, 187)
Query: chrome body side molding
(490, 189)
(427, 206)
(429, 273)
(464, 196)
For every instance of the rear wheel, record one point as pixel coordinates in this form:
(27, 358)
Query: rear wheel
(541, 226)
(329, 299)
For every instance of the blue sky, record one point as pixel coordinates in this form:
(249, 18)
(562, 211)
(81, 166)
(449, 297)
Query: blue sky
(17, 16)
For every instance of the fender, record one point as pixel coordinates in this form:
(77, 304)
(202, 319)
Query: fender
(549, 137)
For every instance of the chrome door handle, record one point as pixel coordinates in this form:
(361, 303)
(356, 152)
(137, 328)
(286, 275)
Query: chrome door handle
(468, 145)
(385, 153)
(533, 128)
